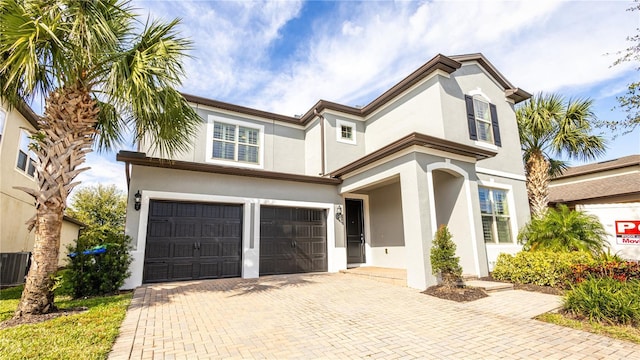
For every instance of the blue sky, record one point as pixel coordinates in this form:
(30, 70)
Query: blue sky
(283, 56)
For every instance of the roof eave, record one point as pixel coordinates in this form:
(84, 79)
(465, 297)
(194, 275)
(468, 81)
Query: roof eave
(141, 159)
(411, 140)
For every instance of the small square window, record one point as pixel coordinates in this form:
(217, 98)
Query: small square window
(346, 132)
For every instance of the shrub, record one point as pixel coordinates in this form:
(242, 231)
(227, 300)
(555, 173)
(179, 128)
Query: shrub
(98, 269)
(605, 300)
(443, 259)
(545, 268)
(617, 270)
(563, 229)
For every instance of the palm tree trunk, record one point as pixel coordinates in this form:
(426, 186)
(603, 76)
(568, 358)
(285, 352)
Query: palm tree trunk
(37, 296)
(538, 183)
(65, 137)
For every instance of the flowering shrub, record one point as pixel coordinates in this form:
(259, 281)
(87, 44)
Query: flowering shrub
(617, 270)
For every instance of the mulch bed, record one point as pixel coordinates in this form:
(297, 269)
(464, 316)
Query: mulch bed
(459, 294)
(34, 319)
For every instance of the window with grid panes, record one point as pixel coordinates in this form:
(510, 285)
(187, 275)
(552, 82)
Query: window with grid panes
(496, 225)
(26, 162)
(483, 120)
(236, 143)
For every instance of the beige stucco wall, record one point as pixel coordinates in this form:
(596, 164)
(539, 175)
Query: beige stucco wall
(339, 154)
(417, 110)
(283, 145)
(68, 236)
(470, 77)
(16, 207)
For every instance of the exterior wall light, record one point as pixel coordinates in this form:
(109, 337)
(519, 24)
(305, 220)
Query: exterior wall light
(138, 200)
(339, 215)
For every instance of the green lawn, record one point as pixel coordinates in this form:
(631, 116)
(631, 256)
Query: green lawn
(627, 333)
(89, 335)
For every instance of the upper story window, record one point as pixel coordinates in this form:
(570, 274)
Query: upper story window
(346, 132)
(495, 216)
(482, 118)
(26, 158)
(3, 117)
(231, 141)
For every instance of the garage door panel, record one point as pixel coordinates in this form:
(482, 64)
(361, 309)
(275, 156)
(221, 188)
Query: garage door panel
(292, 240)
(159, 229)
(209, 248)
(156, 272)
(230, 248)
(186, 210)
(188, 241)
(209, 270)
(231, 269)
(182, 271)
(160, 250)
(183, 249)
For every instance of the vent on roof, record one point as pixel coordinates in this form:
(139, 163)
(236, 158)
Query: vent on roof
(297, 116)
(358, 106)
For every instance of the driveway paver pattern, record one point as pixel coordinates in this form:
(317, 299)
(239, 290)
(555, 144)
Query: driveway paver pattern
(340, 316)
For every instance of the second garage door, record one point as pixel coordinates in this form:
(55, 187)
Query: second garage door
(187, 241)
(292, 240)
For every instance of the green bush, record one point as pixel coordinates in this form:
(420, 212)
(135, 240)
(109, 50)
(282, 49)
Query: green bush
(443, 259)
(605, 300)
(563, 229)
(618, 270)
(545, 268)
(98, 263)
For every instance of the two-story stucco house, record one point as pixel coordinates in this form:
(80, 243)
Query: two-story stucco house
(339, 186)
(17, 169)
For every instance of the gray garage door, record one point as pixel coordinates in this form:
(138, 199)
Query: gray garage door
(187, 241)
(292, 240)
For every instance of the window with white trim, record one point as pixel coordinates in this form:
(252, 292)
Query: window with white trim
(26, 162)
(234, 142)
(496, 223)
(3, 117)
(346, 132)
(483, 119)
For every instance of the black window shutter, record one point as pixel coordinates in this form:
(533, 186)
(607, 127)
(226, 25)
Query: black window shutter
(494, 125)
(471, 118)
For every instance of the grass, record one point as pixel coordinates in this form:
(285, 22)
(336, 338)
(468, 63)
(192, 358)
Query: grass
(89, 335)
(627, 333)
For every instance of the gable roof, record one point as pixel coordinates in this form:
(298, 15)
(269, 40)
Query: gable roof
(597, 187)
(626, 161)
(437, 63)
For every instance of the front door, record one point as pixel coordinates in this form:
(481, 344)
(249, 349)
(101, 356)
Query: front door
(355, 231)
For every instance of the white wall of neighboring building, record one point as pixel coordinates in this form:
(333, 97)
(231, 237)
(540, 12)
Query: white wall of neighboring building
(608, 214)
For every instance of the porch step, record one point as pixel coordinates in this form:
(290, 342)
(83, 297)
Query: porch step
(386, 275)
(489, 286)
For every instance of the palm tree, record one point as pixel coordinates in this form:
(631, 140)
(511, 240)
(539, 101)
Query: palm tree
(563, 229)
(551, 127)
(101, 73)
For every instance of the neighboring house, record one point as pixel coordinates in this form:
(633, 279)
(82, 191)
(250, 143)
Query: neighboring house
(17, 168)
(340, 186)
(609, 190)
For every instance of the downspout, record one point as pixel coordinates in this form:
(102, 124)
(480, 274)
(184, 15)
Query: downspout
(127, 174)
(321, 117)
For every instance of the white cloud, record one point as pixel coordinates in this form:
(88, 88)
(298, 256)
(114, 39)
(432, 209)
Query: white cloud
(360, 49)
(104, 170)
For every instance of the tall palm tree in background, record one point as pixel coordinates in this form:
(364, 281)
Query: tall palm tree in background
(101, 73)
(551, 127)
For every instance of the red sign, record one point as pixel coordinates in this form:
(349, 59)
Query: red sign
(628, 232)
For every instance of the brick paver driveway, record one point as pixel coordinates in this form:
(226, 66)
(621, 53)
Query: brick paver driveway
(344, 316)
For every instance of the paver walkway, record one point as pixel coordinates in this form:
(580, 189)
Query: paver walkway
(339, 316)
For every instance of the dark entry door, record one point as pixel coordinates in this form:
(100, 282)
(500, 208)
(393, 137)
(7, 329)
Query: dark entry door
(292, 240)
(355, 231)
(187, 241)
